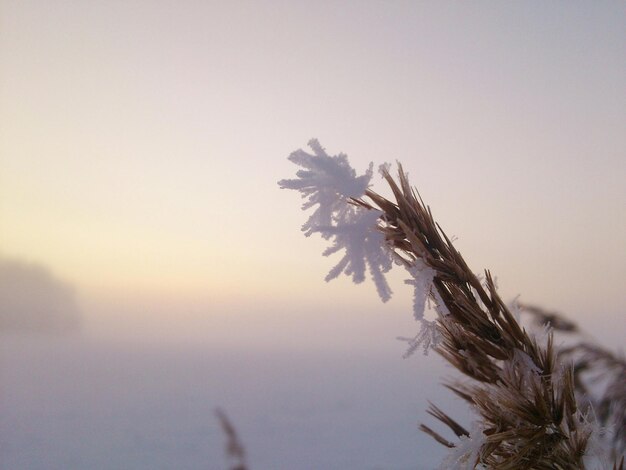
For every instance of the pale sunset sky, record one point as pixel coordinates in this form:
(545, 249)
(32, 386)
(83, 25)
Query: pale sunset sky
(141, 143)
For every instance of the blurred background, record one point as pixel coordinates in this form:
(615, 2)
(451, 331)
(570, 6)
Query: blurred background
(152, 270)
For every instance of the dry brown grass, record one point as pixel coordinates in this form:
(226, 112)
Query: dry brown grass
(235, 451)
(599, 376)
(524, 394)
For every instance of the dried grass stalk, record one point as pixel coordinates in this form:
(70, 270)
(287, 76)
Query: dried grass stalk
(599, 377)
(554, 320)
(600, 382)
(234, 448)
(524, 396)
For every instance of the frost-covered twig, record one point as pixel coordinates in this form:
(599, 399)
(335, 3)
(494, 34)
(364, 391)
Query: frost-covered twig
(525, 398)
(599, 377)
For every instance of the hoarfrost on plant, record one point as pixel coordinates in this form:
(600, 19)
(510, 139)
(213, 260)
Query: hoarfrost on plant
(466, 454)
(330, 183)
(428, 337)
(364, 246)
(326, 181)
(422, 280)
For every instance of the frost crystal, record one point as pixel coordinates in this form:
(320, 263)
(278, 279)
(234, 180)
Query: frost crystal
(364, 245)
(440, 305)
(328, 182)
(523, 362)
(466, 454)
(422, 281)
(598, 452)
(428, 337)
(384, 169)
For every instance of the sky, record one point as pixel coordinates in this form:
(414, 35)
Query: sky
(141, 143)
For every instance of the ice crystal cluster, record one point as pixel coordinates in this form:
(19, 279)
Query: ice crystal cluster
(332, 189)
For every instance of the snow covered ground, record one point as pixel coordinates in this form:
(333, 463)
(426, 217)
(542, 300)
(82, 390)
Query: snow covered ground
(78, 404)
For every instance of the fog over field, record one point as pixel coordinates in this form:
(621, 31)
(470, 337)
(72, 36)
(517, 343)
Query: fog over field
(88, 404)
(305, 389)
(151, 269)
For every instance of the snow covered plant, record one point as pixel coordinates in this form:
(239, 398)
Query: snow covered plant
(523, 393)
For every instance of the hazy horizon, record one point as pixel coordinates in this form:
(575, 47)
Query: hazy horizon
(141, 143)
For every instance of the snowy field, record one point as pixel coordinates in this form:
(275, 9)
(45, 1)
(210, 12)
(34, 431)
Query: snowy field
(77, 404)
